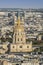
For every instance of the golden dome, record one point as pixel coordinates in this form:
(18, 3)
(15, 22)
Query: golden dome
(18, 26)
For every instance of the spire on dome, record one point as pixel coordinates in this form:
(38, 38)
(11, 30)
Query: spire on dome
(18, 21)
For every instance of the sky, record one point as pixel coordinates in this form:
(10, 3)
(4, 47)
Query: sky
(21, 3)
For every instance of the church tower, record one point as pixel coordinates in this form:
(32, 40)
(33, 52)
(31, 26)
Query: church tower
(19, 38)
(19, 33)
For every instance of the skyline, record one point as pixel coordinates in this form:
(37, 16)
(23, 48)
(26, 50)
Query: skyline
(21, 3)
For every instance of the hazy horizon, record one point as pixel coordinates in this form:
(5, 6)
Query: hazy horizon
(21, 4)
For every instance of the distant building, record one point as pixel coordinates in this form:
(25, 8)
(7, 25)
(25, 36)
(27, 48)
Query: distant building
(39, 37)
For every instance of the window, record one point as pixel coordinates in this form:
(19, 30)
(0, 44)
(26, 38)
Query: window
(21, 39)
(27, 46)
(17, 24)
(20, 46)
(18, 39)
(13, 46)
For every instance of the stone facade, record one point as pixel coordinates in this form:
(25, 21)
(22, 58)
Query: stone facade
(20, 47)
